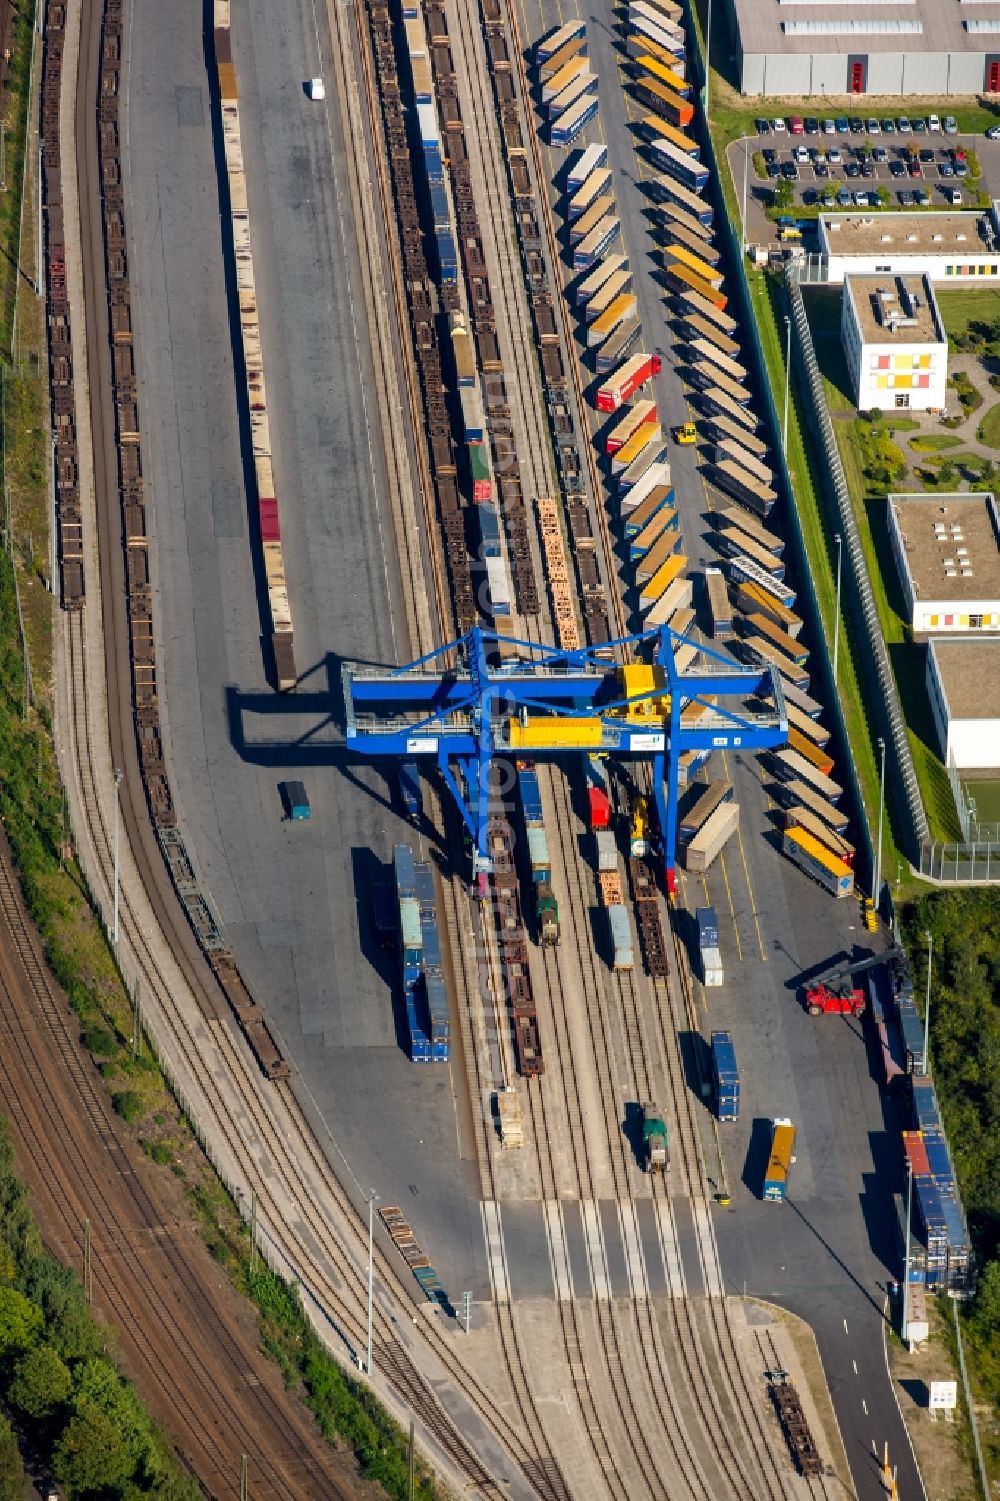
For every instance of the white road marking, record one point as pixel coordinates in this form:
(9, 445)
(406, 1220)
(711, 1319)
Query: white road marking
(846, 1330)
(634, 1262)
(555, 1233)
(864, 1404)
(667, 1234)
(855, 1365)
(493, 1231)
(594, 1234)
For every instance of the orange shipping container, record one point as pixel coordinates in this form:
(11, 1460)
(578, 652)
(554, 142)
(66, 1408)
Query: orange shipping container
(227, 81)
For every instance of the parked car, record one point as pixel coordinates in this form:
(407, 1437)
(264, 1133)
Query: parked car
(778, 126)
(829, 127)
(993, 134)
(796, 125)
(857, 125)
(926, 155)
(769, 154)
(801, 155)
(958, 155)
(763, 126)
(810, 197)
(915, 169)
(812, 125)
(888, 126)
(852, 170)
(861, 199)
(873, 127)
(844, 198)
(880, 154)
(921, 195)
(833, 156)
(821, 169)
(867, 170)
(843, 125)
(905, 197)
(934, 124)
(950, 125)
(919, 125)
(961, 169)
(773, 170)
(790, 170)
(945, 169)
(953, 196)
(897, 169)
(903, 125)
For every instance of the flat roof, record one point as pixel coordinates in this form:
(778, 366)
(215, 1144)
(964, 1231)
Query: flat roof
(936, 26)
(968, 670)
(926, 233)
(895, 309)
(951, 544)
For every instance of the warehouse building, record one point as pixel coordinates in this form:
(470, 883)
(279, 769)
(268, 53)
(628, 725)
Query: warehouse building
(963, 685)
(894, 342)
(947, 551)
(952, 248)
(811, 49)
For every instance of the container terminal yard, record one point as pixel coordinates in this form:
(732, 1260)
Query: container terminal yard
(485, 873)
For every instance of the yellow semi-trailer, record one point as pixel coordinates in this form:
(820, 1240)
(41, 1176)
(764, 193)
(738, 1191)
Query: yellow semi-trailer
(598, 182)
(552, 65)
(627, 425)
(647, 433)
(662, 550)
(656, 587)
(757, 601)
(818, 861)
(652, 41)
(664, 73)
(677, 597)
(605, 295)
(799, 817)
(622, 310)
(561, 80)
(780, 1160)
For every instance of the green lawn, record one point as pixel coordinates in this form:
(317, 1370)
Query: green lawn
(989, 428)
(986, 794)
(935, 442)
(963, 306)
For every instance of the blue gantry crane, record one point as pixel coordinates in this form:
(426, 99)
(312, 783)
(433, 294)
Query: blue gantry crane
(487, 695)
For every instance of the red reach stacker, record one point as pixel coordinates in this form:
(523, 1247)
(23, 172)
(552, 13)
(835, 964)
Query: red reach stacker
(832, 993)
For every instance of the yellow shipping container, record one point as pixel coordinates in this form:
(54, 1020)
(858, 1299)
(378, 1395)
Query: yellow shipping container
(552, 731)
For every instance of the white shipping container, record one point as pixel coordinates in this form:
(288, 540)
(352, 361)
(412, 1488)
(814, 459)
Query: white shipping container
(607, 850)
(656, 475)
(496, 574)
(713, 978)
(427, 120)
(712, 836)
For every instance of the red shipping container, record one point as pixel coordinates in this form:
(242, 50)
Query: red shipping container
(600, 808)
(916, 1153)
(482, 490)
(270, 529)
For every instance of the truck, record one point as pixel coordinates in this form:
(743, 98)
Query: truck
(725, 1077)
(296, 801)
(819, 862)
(409, 789)
(710, 839)
(780, 1160)
(639, 828)
(655, 1141)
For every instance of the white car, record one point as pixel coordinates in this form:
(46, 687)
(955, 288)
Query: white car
(829, 127)
(778, 126)
(950, 125)
(933, 124)
(316, 89)
(834, 156)
(993, 134)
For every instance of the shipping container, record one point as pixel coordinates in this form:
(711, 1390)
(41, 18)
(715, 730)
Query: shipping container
(791, 765)
(707, 923)
(799, 817)
(912, 1030)
(656, 478)
(818, 861)
(677, 597)
(621, 344)
(489, 530)
(615, 286)
(479, 467)
(756, 600)
(447, 259)
(677, 276)
(590, 160)
(625, 427)
(780, 1160)
(715, 402)
(464, 350)
(720, 612)
(667, 158)
(669, 213)
(725, 1077)
(599, 803)
(568, 32)
(597, 243)
(472, 414)
(664, 188)
(607, 849)
(711, 838)
(598, 183)
(706, 349)
(621, 936)
(582, 86)
(926, 1111)
(705, 803)
(733, 480)
(627, 380)
(662, 72)
(546, 731)
(697, 327)
(566, 129)
(538, 855)
(409, 789)
(588, 221)
(531, 795)
(588, 286)
(622, 310)
(428, 125)
(496, 574)
(654, 95)
(742, 520)
(647, 432)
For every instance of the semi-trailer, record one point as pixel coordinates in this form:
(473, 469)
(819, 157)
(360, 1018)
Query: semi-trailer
(659, 39)
(580, 87)
(666, 519)
(752, 598)
(694, 326)
(701, 810)
(792, 648)
(733, 480)
(720, 611)
(725, 1077)
(818, 862)
(409, 789)
(709, 953)
(614, 287)
(655, 478)
(745, 521)
(621, 310)
(652, 94)
(799, 817)
(692, 302)
(733, 542)
(668, 213)
(620, 345)
(678, 277)
(780, 1160)
(657, 585)
(565, 130)
(588, 286)
(651, 457)
(625, 428)
(662, 551)
(713, 401)
(659, 499)
(814, 754)
(598, 183)
(627, 380)
(797, 791)
(675, 254)
(708, 376)
(602, 205)
(677, 234)
(733, 450)
(590, 160)
(724, 429)
(664, 188)
(756, 649)
(677, 597)
(570, 31)
(644, 433)
(655, 129)
(559, 59)
(790, 765)
(816, 732)
(662, 70)
(597, 243)
(712, 837)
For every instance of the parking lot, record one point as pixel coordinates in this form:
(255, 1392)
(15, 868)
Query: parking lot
(863, 162)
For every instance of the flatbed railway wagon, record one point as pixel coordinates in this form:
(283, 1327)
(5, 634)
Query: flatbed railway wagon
(818, 862)
(735, 481)
(715, 402)
(590, 160)
(588, 286)
(678, 277)
(754, 600)
(565, 130)
(720, 611)
(800, 817)
(780, 1159)
(746, 521)
(723, 428)
(656, 129)
(791, 766)
(663, 188)
(571, 31)
(669, 212)
(597, 184)
(702, 808)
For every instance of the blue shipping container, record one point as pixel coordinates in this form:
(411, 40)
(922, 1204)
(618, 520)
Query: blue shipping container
(913, 1033)
(402, 862)
(433, 165)
(420, 1046)
(489, 529)
(958, 1237)
(925, 1106)
(440, 209)
(929, 1210)
(538, 854)
(410, 931)
(409, 788)
(939, 1159)
(708, 934)
(446, 256)
(531, 796)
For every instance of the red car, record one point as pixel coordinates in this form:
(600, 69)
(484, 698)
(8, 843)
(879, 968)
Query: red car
(796, 125)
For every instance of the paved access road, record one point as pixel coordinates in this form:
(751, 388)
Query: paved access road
(824, 1254)
(293, 900)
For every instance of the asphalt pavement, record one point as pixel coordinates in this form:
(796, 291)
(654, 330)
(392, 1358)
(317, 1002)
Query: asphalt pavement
(292, 899)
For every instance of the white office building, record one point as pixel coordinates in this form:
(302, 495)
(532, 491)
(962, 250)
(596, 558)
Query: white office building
(952, 247)
(947, 551)
(894, 343)
(963, 686)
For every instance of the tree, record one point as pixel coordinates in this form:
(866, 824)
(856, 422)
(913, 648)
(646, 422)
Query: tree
(41, 1384)
(98, 1385)
(986, 1309)
(783, 195)
(11, 1468)
(90, 1455)
(21, 1322)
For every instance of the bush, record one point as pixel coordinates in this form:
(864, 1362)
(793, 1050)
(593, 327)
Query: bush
(100, 1041)
(159, 1151)
(759, 165)
(127, 1104)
